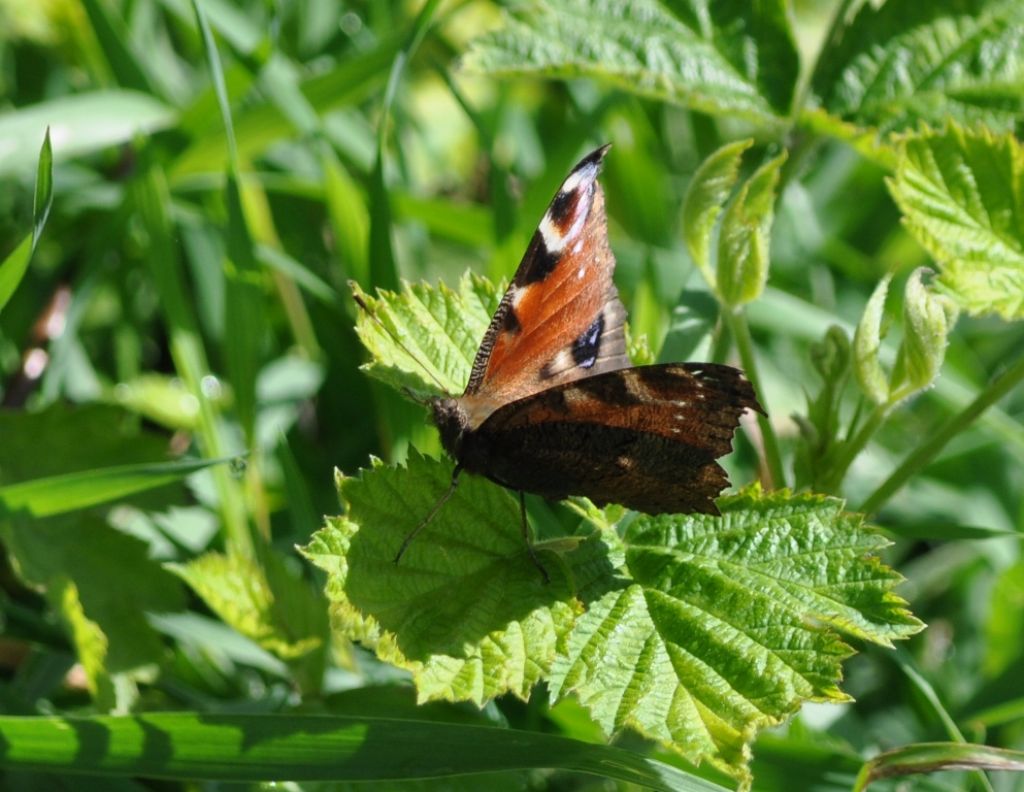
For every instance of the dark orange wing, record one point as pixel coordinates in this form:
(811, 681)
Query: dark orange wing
(561, 318)
(645, 437)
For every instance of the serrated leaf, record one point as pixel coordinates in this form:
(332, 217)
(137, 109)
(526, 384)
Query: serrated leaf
(466, 610)
(731, 622)
(706, 196)
(424, 338)
(724, 57)
(962, 196)
(903, 62)
(238, 590)
(745, 234)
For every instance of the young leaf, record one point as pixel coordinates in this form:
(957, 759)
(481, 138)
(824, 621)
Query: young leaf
(425, 338)
(720, 58)
(898, 63)
(238, 590)
(744, 237)
(867, 344)
(962, 196)
(928, 319)
(706, 196)
(731, 623)
(13, 268)
(465, 611)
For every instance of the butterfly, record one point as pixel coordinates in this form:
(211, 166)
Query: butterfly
(554, 406)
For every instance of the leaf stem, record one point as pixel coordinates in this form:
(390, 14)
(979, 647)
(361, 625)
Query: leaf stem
(740, 331)
(854, 446)
(927, 451)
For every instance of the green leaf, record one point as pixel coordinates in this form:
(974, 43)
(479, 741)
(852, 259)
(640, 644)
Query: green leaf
(239, 591)
(731, 622)
(309, 747)
(962, 196)
(468, 571)
(867, 345)
(722, 58)
(937, 756)
(104, 584)
(45, 497)
(745, 235)
(898, 63)
(89, 641)
(706, 196)
(424, 338)
(928, 319)
(79, 124)
(1004, 621)
(13, 268)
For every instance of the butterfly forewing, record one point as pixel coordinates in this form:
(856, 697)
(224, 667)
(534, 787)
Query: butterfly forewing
(645, 437)
(561, 318)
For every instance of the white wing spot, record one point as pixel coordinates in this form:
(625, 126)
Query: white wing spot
(553, 239)
(581, 271)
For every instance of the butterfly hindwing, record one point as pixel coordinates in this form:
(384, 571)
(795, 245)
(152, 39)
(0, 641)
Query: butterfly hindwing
(645, 437)
(561, 317)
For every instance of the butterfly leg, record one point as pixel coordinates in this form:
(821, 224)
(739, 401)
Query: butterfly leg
(526, 538)
(430, 515)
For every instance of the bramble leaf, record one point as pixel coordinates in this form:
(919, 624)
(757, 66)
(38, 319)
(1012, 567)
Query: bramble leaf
(466, 610)
(962, 196)
(899, 63)
(706, 197)
(723, 57)
(731, 622)
(424, 338)
(745, 236)
(261, 602)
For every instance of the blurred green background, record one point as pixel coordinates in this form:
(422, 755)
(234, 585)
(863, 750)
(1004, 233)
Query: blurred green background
(188, 295)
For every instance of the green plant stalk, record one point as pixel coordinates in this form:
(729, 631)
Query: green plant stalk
(927, 451)
(853, 446)
(186, 347)
(740, 331)
(928, 693)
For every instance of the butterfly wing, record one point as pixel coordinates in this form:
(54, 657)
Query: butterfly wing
(645, 437)
(561, 317)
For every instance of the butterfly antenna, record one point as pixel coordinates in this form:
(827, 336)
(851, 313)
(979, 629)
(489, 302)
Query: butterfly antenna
(430, 515)
(387, 330)
(526, 538)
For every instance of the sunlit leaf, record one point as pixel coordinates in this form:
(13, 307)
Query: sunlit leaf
(962, 196)
(731, 58)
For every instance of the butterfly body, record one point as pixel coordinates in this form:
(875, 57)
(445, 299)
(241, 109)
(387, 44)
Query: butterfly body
(553, 405)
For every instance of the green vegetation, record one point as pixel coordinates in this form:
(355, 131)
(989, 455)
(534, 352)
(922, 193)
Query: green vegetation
(830, 195)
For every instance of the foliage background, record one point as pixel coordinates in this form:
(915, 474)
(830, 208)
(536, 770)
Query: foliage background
(188, 297)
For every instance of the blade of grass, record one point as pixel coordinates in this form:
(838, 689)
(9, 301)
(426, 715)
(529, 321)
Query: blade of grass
(934, 757)
(150, 196)
(932, 698)
(14, 267)
(383, 268)
(114, 38)
(243, 307)
(187, 745)
(45, 497)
